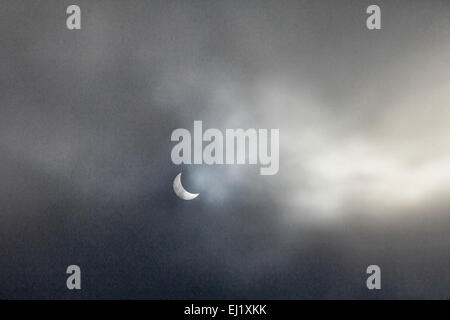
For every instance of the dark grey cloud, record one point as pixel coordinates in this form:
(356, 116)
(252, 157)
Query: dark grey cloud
(85, 172)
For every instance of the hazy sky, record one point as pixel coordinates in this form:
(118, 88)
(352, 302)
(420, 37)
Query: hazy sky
(86, 176)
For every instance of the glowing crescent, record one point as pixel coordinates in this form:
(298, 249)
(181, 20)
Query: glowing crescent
(180, 191)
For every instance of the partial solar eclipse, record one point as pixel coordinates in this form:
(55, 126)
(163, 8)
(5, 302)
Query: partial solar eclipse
(180, 191)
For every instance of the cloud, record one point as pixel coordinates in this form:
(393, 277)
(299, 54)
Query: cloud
(85, 129)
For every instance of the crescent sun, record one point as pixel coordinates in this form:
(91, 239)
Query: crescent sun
(180, 191)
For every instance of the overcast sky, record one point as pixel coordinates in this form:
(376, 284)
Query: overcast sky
(86, 176)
